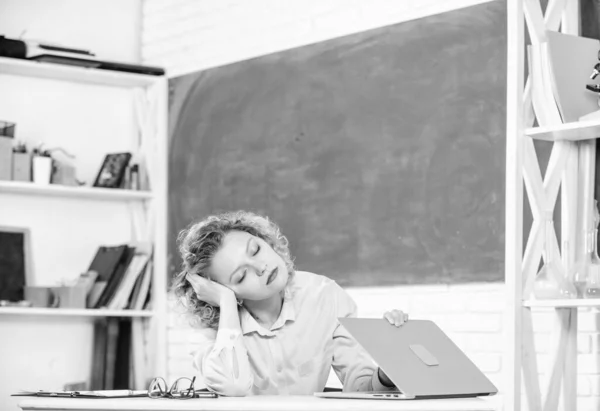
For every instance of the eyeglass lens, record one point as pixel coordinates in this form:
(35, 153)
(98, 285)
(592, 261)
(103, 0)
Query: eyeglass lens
(158, 388)
(182, 388)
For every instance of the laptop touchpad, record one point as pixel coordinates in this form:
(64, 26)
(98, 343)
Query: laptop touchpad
(424, 355)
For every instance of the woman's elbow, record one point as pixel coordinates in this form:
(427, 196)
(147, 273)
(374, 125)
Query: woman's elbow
(230, 381)
(230, 388)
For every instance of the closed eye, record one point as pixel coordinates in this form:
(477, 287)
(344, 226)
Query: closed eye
(245, 271)
(242, 277)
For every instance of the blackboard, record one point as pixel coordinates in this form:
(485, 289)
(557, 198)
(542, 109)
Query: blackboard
(14, 262)
(380, 154)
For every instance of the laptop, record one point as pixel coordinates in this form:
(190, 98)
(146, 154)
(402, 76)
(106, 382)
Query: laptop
(421, 361)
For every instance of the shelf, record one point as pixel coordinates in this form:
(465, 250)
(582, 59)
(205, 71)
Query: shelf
(38, 69)
(72, 312)
(55, 190)
(582, 130)
(563, 303)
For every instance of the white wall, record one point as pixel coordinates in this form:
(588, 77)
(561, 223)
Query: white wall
(109, 28)
(189, 35)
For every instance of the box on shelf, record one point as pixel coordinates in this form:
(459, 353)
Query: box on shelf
(6, 157)
(74, 296)
(42, 297)
(21, 166)
(63, 174)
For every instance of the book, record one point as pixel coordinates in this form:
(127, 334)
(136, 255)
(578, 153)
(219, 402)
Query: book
(95, 293)
(111, 352)
(144, 291)
(106, 260)
(123, 355)
(99, 355)
(116, 277)
(138, 364)
(120, 298)
(136, 287)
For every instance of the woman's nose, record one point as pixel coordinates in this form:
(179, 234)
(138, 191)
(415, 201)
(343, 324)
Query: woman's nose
(261, 271)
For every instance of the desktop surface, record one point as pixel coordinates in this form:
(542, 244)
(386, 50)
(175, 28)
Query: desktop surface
(255, 403)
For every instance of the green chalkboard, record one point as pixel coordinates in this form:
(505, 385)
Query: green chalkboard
(380, 154)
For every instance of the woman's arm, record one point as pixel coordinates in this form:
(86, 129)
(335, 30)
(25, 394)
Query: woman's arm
(223, 361)
(352, 364)
(224, 365)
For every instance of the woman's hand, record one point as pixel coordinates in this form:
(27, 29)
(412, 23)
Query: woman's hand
(396, 317)
(209, 291)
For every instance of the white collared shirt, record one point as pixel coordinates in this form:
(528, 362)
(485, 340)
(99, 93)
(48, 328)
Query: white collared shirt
(296, 354)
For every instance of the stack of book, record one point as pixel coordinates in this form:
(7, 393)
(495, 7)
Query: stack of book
(124, 282)
(124, 277)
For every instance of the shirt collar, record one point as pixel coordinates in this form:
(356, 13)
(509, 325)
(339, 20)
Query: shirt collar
(288, 313)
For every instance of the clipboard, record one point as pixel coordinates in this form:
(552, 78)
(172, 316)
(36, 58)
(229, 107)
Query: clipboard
(84, 394)
(100, 394)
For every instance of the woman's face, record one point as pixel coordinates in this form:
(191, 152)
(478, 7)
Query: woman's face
(249, 266)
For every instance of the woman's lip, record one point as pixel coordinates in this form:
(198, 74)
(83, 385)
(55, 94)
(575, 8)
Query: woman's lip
(272, 276)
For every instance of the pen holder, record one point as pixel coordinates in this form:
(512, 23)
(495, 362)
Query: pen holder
(42, 297)
(42, 169)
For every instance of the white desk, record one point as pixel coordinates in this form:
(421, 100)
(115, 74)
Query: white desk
(259, 403)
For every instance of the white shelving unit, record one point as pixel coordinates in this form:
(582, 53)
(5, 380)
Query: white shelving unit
(566, 132)
(575, 303)
(570, 171)
(91, 113)
(71, 74)
(91, 193)
(72, 312)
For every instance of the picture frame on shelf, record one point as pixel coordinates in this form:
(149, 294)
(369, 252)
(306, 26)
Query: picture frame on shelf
(16, 262)
(7, 128)
(113, 170)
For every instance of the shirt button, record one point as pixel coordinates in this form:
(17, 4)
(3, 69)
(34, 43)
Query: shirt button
(279, 369)
(232, 337)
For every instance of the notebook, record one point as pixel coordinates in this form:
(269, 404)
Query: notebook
(419, 358)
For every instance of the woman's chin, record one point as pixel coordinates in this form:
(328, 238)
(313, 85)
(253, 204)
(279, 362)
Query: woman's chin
(270, 291)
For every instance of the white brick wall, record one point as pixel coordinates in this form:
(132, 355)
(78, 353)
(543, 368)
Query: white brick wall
(189, 35)
(472, 316)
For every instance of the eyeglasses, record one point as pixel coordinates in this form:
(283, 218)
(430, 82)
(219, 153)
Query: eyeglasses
(182, 388)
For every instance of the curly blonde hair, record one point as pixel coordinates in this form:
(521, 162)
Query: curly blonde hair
(201, 240)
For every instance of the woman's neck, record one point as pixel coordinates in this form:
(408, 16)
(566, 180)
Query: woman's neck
(265, 312)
